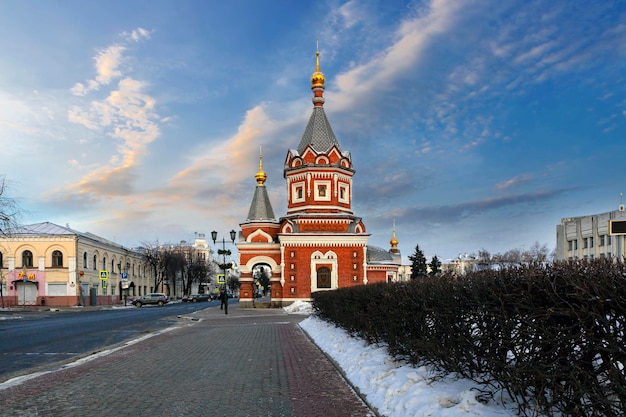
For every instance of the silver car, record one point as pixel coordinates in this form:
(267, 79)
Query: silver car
(157, 298)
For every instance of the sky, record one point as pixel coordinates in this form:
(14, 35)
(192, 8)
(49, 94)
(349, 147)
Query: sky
(474, 125)
(395, 388)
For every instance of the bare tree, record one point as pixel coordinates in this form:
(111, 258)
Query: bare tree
(9, 218)
(197, 270)
(9, 211)
(538, 252)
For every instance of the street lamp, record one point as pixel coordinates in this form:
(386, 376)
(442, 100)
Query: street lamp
(223, 266)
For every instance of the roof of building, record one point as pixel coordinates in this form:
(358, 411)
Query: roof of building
(45, 228)
(261, 207)
(318, 133)
(377, 255)
(52, 229)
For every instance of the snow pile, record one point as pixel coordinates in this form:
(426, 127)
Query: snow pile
(394, 388)
(299, 307)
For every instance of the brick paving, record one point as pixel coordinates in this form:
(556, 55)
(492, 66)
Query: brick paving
(251, 362)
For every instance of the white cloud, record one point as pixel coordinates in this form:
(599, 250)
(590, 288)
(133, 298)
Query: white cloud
(136, 35)
(108, 62)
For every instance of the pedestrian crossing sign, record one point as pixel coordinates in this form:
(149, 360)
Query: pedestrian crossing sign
(104, 275)
(221, 279)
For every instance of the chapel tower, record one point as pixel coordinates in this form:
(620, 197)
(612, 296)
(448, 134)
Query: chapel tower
(319, 244)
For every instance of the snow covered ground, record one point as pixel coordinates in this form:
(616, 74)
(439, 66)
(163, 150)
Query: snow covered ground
(394, 388)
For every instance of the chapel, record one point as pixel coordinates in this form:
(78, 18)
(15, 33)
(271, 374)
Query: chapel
(319, 244)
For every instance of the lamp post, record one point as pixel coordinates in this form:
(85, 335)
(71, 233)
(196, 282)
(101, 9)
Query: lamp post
(223, 266)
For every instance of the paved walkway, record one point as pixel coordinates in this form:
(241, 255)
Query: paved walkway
(251, 362)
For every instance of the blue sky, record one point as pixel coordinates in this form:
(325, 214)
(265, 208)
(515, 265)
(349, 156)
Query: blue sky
(474, 124)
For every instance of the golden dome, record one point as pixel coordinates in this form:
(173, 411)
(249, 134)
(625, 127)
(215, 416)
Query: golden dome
(317, 79)
(260, 176)
(394, 241)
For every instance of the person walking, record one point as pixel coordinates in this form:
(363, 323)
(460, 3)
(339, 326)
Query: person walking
(224, 301)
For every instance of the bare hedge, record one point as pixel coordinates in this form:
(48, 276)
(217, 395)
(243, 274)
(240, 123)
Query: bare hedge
(549, 335)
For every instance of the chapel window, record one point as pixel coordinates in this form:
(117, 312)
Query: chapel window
(323, 277)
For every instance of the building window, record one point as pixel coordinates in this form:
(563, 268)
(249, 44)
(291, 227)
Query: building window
(609, 240)
(322, 192)
(602, 240)
(570, 245)
(27, 258)
(95, 262)
(323, 277)
(104, 262)
(1, 261)
(585, 243)
(591, 241)
(297, 192)
(85, 260)
(343, 194)
(57, 258)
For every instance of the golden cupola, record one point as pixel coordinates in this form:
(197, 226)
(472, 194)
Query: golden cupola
(317, 82)
(394, 241)
(260, 176)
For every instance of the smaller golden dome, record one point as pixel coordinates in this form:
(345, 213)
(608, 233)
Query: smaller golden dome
(260, 176)
(394, 241)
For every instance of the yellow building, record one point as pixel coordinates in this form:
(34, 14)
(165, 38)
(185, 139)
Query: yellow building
(48, 264)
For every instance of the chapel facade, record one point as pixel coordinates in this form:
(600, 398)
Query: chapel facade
(319, 244)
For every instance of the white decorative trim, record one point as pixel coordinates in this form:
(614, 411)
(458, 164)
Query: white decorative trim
(318, 258)
(282, 266)
(346, 193)
(294, 192)
(327, 196)
(259, 232)
(259, 260)
(308, 184)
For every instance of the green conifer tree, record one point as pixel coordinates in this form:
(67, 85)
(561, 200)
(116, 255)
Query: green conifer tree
(418, 263)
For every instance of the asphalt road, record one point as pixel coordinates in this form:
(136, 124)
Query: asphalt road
(30, 340)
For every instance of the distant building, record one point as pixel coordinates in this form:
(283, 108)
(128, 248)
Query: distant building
(48, 264)
(588, 237)
(319, 244)
(199, 252)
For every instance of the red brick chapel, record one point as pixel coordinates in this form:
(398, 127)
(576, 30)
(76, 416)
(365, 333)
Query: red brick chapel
(319, 244)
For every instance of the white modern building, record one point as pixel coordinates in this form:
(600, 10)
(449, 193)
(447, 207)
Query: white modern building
(590, 237)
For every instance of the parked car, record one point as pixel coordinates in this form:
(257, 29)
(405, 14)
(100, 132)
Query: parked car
(194, 298)
(157, 298)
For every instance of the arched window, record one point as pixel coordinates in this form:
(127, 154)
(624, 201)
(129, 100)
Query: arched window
(85, 260)
(95, 262)
(104, 262)
(27, 258)
(1, 261)
(323, 277)
(57, 258)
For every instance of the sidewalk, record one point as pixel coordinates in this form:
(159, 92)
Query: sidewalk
(251, 362)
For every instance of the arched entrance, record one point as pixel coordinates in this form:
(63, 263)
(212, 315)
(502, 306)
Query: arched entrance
(262, 274)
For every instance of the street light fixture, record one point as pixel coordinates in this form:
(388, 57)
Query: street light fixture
(224, 252)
